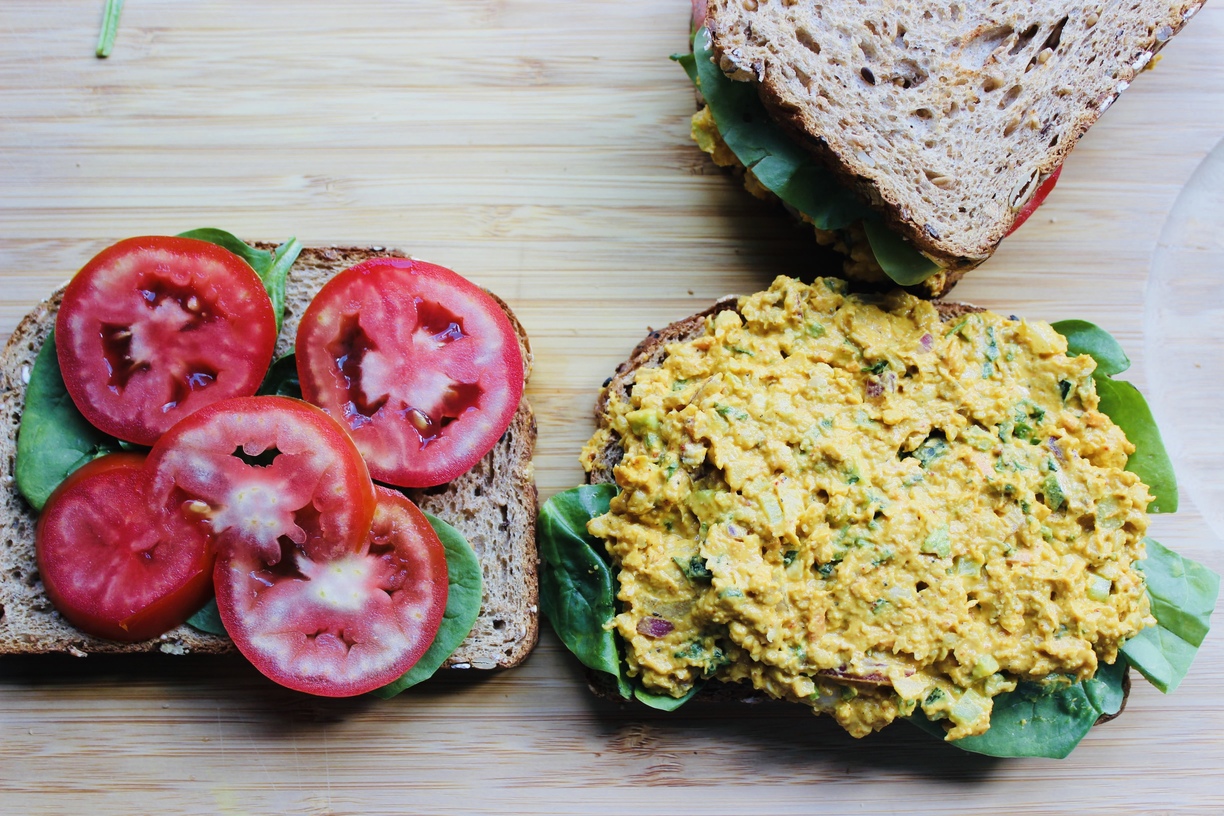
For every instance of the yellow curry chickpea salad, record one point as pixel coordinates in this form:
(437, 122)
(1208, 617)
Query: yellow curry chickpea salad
(849, 503)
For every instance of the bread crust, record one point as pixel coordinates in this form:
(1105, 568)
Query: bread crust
(494, 505)
(847, 116)
(650, 353)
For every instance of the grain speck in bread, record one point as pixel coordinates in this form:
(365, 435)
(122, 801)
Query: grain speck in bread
(946, 116)
(493, 506)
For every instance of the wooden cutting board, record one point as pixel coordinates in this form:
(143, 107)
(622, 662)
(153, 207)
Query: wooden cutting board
(541, 148)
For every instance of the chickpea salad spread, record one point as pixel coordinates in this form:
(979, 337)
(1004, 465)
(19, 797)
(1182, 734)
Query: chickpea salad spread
(848, 502)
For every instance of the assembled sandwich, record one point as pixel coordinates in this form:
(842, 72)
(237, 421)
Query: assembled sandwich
(879, 507)
(332, 442)
(913, 136)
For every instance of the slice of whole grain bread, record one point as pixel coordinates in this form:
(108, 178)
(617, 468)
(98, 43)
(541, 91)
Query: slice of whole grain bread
(946, 116)
(493, 506)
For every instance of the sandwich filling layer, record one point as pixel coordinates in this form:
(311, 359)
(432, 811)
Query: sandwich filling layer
(846, 502)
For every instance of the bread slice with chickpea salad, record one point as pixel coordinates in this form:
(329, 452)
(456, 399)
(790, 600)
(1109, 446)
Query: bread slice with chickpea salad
(477, 608)
(912, 136)
(879, 507)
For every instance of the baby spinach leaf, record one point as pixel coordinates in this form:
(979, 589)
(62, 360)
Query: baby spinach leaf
(1183, 595)
(789, 171)
(689, 63)
(1042, 720)
(1088, 338)
(778, 162)
(282, 379)
(577, 592)
(664, 702)
(271, 267)
(896, 256)
(208, 620)
(1123, 403)
(54, 439)
(462, 608)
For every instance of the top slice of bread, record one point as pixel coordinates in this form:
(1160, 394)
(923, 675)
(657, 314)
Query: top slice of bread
(947, 116)
(493, 506)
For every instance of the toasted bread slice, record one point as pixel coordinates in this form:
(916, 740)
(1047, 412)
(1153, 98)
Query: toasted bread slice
(946, 117)
(493, 506)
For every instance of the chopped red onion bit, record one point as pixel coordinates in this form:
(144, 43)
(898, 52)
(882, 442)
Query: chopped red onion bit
(653, 627)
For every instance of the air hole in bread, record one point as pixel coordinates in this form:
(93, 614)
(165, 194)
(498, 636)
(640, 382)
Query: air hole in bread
(977, 51)
(870, 26)
(1011, 126)
(807, 40)
(1, 613)
(1022, 41)
(1013, 93)
(991, 84)
(1055, 37)
(499, 624)
(749, 5)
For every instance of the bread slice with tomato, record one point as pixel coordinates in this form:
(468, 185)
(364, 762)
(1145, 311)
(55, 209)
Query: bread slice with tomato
(490, 499)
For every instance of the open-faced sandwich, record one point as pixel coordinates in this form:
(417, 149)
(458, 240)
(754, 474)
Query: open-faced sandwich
(332, 442)
(879, 507)
(913, 136)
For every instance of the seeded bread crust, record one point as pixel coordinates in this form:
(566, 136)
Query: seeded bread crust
(651, 353)
(494, 506)
(946, 116)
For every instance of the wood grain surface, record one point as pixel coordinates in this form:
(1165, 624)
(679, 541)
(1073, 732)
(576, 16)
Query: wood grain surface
(541, 148)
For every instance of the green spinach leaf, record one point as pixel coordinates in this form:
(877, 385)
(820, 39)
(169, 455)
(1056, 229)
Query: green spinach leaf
(1183, 594)
(1042, 720)
(778, 162)
(282, 379)
(577, 592)
(664, 702)
(899, 260)
(1123, 403)
(462, 608)
(1088, 338)
(784, 168)
(271, 267)
(208, 620)
(53, 439)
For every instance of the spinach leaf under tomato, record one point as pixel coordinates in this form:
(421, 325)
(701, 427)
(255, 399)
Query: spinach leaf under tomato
(462, 608)
(790, 172)
(1125, 405)
(271, 267)
(463, 599)
(54, 439)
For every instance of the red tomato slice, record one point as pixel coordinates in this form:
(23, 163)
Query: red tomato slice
(346, 625)
(111, 566)
(264, 474)
(1036, 201)
(422, 366)
(155, 328)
